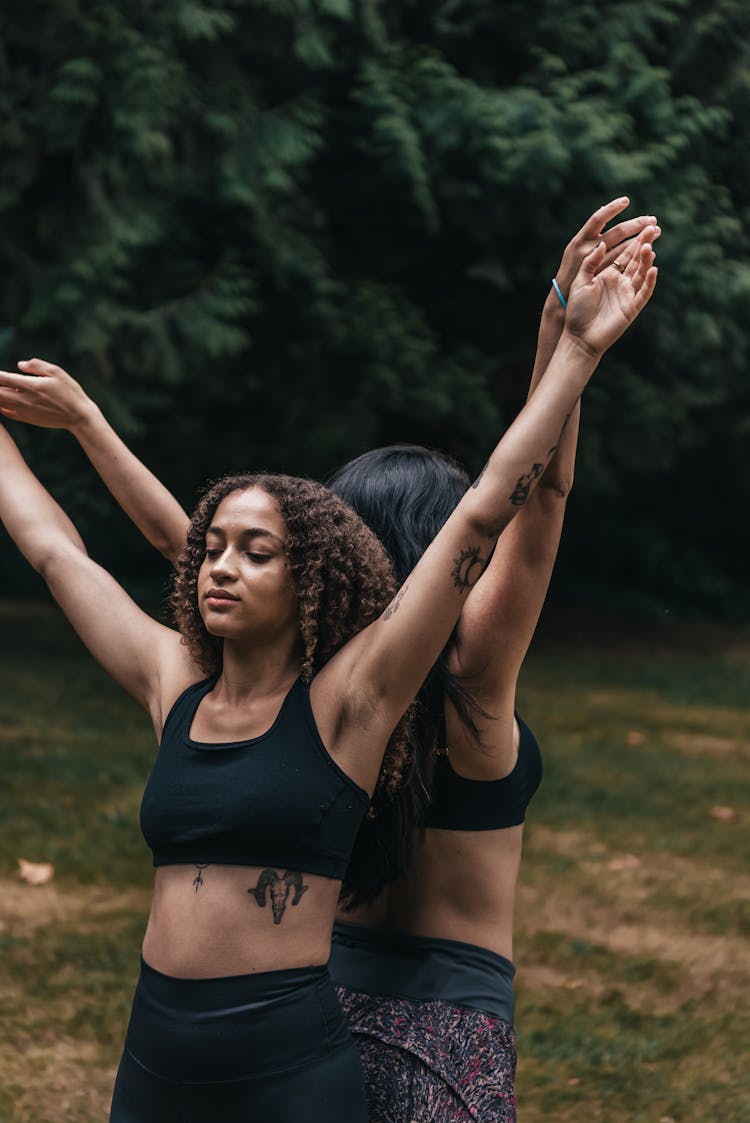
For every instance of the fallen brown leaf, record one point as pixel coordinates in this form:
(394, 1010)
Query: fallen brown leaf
(627, 862)
(35, 873)
(725, 814)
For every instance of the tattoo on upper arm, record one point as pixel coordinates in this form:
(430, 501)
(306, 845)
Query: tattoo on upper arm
(200, 866)
(521, 491)
(468, 567)
(479, 477)
(393, 607)
(281, 887)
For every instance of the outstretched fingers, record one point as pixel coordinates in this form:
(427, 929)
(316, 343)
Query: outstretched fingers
(642, 297)
(594, 226)
(38, 367)
(13, 381)
(639, 265)
(623, 251)
(592, 263)
(628, 229)
(11, 388)
(622, 255)
(644, 241)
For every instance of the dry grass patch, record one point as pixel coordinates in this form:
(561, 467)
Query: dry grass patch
(26, 908)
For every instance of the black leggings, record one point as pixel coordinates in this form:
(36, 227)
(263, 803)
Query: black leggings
(265, 1048)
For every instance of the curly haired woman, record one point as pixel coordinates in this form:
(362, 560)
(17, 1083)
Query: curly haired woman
(265, 768)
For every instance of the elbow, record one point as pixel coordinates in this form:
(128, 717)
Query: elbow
(168, 549)
(170, 541)
(554, 490)
(53, 562)
(37, 548)
(44, 561)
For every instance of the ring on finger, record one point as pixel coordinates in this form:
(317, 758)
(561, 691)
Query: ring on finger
(619, 266)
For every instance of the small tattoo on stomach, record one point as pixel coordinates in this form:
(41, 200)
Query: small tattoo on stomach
(200, 866)
(280, 886)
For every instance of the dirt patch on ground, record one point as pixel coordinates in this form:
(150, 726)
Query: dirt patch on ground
(637, 873)
(615, 910)
(26, 908)
(715, 966)
(698, 744)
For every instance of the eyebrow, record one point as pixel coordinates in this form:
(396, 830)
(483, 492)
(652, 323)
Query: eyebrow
(251, 532)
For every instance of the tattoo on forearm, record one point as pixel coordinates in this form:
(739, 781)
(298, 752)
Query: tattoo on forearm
(468, 567)
(198, 881)
(521, 491)
(280, 887)
(393, 607)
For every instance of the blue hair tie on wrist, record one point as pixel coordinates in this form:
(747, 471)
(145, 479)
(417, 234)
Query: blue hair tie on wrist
(556, 287)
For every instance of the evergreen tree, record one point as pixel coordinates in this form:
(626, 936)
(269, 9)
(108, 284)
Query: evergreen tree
(276, 232)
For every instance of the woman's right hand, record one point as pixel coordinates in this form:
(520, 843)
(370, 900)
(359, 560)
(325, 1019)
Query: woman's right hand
(43, 395)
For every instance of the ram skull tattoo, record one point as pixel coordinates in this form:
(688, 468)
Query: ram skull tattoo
(280, 888)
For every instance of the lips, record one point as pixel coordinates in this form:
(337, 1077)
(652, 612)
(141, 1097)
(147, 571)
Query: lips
(220, 595)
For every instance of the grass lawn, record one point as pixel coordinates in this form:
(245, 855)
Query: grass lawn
(633, 916)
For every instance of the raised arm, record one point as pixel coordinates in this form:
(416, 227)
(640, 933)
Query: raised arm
(45, 395)
(142, 655)
(501, 614)
(380, 670)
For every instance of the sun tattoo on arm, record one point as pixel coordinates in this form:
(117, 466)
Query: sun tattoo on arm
(468, 567)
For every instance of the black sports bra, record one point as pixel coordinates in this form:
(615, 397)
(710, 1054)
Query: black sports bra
(460, 804)
(275, 800)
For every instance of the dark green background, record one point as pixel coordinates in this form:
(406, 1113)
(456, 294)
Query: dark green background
(276, 233)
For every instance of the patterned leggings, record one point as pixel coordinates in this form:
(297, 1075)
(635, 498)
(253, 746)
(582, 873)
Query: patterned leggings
(432, 1062)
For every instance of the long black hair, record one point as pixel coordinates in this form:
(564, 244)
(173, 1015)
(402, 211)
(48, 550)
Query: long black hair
(405, 493)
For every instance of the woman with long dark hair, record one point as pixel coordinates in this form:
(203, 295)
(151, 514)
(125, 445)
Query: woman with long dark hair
(425, 968)
(423, 919)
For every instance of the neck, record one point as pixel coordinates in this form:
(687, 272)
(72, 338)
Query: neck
(258, 671)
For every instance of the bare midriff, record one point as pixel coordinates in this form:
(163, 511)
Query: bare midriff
(209, 922)
(460, 885)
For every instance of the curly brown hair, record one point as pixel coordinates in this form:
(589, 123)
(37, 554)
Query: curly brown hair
(342, 576)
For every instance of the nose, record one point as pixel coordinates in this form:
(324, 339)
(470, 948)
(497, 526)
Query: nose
(223, 567)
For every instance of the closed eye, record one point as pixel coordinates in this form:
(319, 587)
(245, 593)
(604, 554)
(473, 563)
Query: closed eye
(261, 559)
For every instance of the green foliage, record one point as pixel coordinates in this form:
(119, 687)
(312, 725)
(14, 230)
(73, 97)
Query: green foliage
(275, 232)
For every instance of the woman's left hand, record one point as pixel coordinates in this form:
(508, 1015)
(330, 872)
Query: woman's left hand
(604, 301)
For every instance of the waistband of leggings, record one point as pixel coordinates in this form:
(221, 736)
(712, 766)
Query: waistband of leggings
(422, 969)
(386, 939)
(230, 990)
